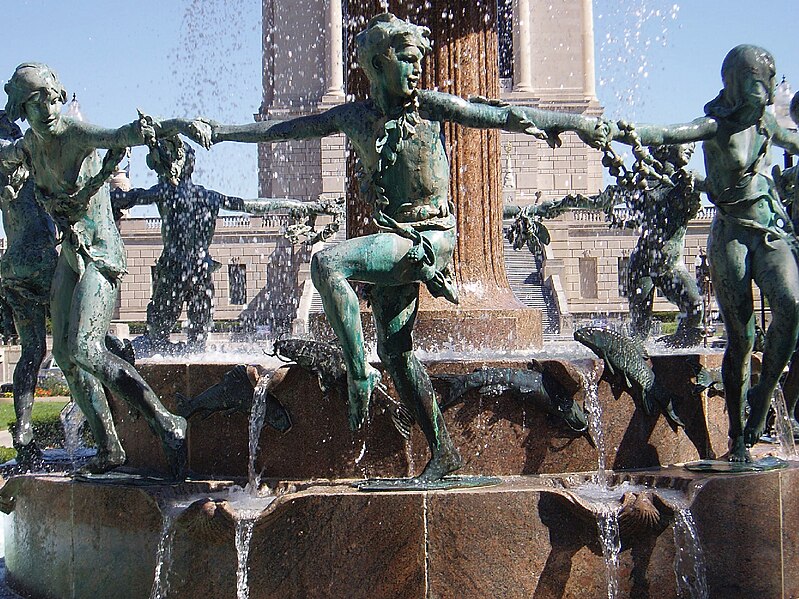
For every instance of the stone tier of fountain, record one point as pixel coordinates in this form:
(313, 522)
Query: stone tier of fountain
(528, 536)
(496, 435)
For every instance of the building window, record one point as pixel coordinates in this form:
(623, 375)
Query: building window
(588, 270)
(624, 273)
(237, 283)
(152, 278)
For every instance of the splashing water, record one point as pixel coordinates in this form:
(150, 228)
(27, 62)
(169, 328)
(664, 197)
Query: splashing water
(782, 425)
(689, 559)
(257, 418)
(72, 421)
(594, 410)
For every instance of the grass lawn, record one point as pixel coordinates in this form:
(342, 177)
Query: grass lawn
(41, 409)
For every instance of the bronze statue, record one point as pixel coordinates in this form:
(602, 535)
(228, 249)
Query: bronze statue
(184, 271)
(26, 271)
(397, 135)
(661, 211)
(70, 181)
(752, 238)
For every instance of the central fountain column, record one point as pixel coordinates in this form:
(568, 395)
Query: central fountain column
(464, 62)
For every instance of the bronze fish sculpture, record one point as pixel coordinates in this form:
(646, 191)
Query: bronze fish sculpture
(527, 385)
(627, 357)
(326, 361)
(709, 380)
(234, 393)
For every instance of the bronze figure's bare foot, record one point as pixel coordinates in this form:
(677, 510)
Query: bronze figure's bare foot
(175, 449)
(738, 451)
(440, 465)
(103, 462)
(360, 394)
(756, 422)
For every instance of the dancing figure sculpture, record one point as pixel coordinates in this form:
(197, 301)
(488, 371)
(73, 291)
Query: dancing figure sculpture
(397, 135)
(70, 181)
(751, 238)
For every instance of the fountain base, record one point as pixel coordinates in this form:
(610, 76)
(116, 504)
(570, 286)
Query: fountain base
(527, 537)
(497, 436)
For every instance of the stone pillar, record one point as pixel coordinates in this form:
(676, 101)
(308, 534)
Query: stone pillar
(464, 62)
(522, 64)
(589, 79)
(335, 46)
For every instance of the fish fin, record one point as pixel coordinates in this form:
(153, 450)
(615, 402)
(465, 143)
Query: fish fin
(608, 363)
(646, 401)
(457, 387)
(704, 379)
(277, 416)
(401, 417)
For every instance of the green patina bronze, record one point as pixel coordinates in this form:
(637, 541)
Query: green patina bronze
(70, 181)
(661, 211)
(752, 238)
(26, 271)
(183, 273)
(405, 176)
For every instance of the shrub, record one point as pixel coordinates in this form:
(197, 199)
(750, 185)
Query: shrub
(7, 453)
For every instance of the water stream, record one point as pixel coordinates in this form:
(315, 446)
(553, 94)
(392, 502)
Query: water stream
(593, 409)
(782, 425)
(256, 425)
(244, 527)
(247, 508)
(689, 559)
(163, 556)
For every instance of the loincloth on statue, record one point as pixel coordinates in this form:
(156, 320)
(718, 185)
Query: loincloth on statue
(439, 281)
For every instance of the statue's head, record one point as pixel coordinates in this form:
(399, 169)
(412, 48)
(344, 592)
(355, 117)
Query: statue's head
(677, 155)
(794, 110)
(172, 160)
(33, 83)
(390, 51)
(748, 74)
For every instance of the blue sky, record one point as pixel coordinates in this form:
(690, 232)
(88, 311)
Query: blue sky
(182, 58)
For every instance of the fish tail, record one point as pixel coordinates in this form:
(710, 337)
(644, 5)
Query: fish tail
(457, 387)
(704, 378)
(666, 401)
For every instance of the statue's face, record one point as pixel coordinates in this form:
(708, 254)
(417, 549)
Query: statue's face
(401, 69)
(43, 111)
(759, 92)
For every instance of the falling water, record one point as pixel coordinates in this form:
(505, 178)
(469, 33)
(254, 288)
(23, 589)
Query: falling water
(594, 410)
(257, 418)
(607, 519)
(163, 557)
(689, 559)
(72, 420)
(606, 504)
(782, 425)
(244, 527)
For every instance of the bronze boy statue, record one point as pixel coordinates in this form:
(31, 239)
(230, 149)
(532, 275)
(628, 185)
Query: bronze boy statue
(397, 135)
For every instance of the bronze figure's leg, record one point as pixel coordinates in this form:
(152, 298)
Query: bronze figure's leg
(92, 306)
(777, 274)
(395, 311)
(165, 305)
(732, 280)
(29, 320)
(87, 391)
(199, 308)
(640, 291)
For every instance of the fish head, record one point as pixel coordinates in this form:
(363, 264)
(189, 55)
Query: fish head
(594, 338)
